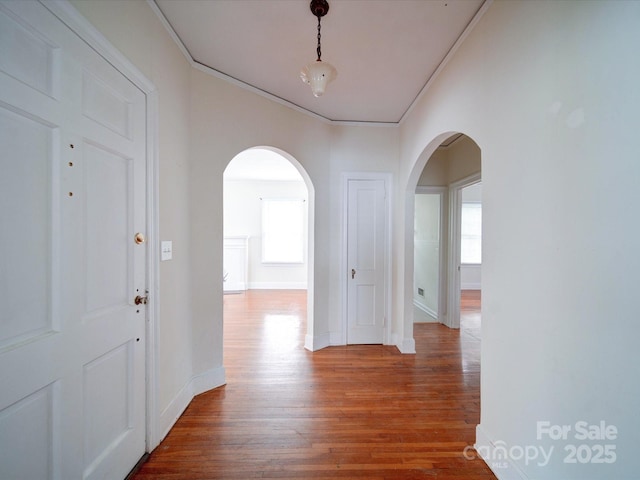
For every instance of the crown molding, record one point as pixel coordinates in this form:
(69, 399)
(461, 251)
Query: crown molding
(349, 123)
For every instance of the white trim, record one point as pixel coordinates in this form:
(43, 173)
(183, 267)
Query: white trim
(223, 76)
(98, 42)
(486, 450)
(277, 285)
(473, 270)
(172, 33)
(245, 86)
(336, 338)
(470, 26)
(387, 178)
(453, 249)
(432, 190)
(234, 81)
(153, 265)
(317, 342)
(281, 101)
(407, 346)
(257, 91)
(203, 382)
(426, 310)
(195, 386)
(168, 417)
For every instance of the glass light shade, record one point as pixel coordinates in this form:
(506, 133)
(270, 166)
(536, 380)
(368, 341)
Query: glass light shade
(318, 74)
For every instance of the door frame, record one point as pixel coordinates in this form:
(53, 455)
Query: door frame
(98, 42)
(455, 240)
(443, 224)
(341, 337)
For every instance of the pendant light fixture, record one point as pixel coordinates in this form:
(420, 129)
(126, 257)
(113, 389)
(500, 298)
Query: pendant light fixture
(318, 74)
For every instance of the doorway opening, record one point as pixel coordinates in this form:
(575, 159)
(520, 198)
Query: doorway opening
(443, 246)
(470, 210)
(268, 244)
(446, 220)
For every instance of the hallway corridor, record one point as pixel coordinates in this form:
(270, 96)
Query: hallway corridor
(342, 412)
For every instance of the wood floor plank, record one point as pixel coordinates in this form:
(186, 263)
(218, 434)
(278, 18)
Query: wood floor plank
(359, 412)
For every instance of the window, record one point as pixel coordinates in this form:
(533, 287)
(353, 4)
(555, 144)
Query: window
(471, 230)
(282, 231)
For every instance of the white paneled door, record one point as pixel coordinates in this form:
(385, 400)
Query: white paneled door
(72, 198)
(366, 254)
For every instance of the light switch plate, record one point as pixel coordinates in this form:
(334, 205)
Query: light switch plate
(166, 247)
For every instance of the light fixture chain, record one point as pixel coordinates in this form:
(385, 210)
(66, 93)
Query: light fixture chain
(319, 49)
(318, 74)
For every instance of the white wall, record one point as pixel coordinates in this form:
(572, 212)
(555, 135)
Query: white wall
(548, 90)
(427, 253)
(227, 120)
(243, 217)
(470, 277)
(448, 165)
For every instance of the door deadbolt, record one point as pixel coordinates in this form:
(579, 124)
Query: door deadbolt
(353, 273)
(139, 238)
(140, 300)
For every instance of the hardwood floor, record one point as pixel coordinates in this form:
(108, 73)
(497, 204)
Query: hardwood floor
(360, 412)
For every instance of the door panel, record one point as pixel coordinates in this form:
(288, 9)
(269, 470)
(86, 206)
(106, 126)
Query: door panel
(366, 258)
(27, 424)
(25, 294)
(72, 197)
(366, 305)
(108, 214)
(107, 423)
(104, 105)
(25, 54)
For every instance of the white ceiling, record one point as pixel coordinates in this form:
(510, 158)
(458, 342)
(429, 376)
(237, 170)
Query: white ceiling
(385, 51)
(261, 164)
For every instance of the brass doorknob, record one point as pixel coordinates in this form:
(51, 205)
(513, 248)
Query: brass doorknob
(140, 300)
(139, 238)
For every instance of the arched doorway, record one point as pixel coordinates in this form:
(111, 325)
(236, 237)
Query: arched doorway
(450, 162)
(268, 224)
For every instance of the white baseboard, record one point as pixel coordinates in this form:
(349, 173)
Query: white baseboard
(195, 386)
(407, 346)
(470, 286)
(491, 451)
(318, 342)
(429, 316)
(208, 381)
(234, 286)
(172, 412)
(336, 338)
(277, 285)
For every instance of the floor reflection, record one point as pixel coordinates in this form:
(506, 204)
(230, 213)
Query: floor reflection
(470, 330)
(280, 332)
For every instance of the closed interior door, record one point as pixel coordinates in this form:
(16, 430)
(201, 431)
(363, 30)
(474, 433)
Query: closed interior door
(72, 198)
(366, 220)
